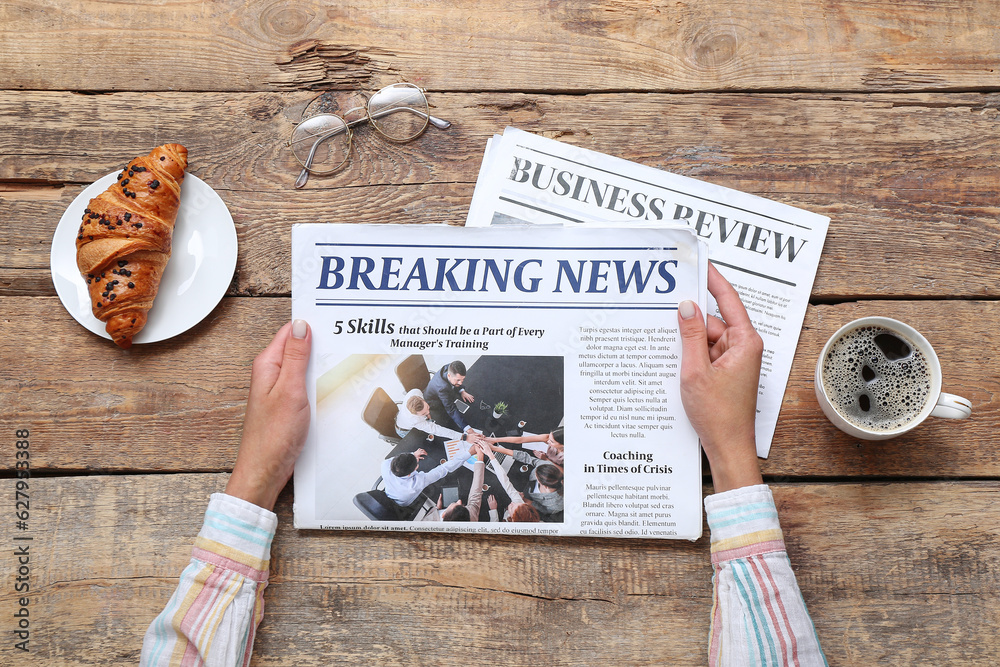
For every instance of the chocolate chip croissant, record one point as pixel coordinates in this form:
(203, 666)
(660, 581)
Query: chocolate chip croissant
(123, 243)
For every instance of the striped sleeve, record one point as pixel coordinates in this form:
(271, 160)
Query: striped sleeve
(758, 614)
(212, 616)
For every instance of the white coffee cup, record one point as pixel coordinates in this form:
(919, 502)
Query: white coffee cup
(936, 403)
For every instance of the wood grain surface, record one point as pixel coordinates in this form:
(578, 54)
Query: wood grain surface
(108, 551)
(881, 116)
(849, 45)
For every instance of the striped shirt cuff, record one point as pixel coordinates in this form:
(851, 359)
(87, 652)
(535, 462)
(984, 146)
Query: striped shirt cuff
(236, 535)
(743, 522)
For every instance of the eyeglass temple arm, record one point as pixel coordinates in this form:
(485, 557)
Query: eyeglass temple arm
(439, 123)
(304, 174)
(301, 180)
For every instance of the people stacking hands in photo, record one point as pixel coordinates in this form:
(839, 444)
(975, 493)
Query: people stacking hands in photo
(549, 445)
(416, 413)
(536, 492)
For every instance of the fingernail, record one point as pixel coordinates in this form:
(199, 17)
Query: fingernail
(686, 309)
(299, 329)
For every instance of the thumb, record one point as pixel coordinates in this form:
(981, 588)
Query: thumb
(694, 338)
(295, 356)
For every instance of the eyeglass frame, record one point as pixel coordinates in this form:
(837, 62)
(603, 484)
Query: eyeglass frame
(348, 125)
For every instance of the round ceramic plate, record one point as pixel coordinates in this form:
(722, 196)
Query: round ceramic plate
(197, 276)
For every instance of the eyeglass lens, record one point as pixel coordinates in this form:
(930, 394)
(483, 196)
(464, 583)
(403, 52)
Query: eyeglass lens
(399, 111)
(321, 143)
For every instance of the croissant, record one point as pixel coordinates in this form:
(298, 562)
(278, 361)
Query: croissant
(123, 243)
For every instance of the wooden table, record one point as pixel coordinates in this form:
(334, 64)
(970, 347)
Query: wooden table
(885, 118)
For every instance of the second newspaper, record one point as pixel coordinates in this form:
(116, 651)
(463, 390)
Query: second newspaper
(769, 251)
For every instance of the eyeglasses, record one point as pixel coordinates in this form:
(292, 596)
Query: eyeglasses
(322, 143)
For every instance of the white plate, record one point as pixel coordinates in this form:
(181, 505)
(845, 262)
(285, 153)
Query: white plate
(197, 276)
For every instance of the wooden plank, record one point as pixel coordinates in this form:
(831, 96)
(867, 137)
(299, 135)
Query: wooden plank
(178, 404)
(607, 45)
(936, 250)
(173, 405)
(910, 174)
(897, 145)
(395, 599)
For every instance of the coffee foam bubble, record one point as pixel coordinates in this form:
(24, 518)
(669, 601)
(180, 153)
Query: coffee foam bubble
(895, 390)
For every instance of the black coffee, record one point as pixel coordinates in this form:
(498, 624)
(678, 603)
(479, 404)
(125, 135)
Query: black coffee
(876, 379)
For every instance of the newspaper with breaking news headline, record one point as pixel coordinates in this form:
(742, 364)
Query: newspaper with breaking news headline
(557, 345)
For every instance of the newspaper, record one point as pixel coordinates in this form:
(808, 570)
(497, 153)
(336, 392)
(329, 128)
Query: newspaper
(769, 251)
(529, 336)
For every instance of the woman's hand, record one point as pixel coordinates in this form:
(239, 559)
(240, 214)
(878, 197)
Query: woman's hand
(277, 418)
(720, 373)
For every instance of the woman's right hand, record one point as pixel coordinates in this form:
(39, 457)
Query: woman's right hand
(720, 374)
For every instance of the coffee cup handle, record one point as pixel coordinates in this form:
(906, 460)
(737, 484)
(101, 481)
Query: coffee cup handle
(951, 406)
